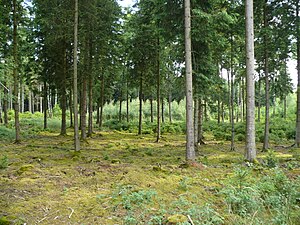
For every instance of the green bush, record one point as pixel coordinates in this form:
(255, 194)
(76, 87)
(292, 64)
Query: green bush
(3, 162)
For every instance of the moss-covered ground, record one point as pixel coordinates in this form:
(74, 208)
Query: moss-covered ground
(122, 178)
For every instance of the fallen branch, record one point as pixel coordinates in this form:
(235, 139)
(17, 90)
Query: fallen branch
(190, 219)
(47, 216)
(72, 211)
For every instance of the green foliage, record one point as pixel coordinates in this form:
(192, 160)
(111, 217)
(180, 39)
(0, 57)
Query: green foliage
(271, 160)
(6, 133)
(4, 162)
(273, 194)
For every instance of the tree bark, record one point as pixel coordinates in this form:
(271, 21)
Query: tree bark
(45, 104)
(90, 91)
(71, 107)
(15, 73)
(250, 153)
(151, 110)
(120, 109)
(190, 146)
(75, 91)
(5, 105)
(196, 121)
(83, 101)
(158, 131)
(127, 102)
(101, 102)
(63, 96)
(162, 110)
(298, 73)
(267, 95)
(141, 105)
(170, 107)
(259, 101)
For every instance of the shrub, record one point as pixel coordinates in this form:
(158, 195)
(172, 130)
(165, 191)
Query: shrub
(4, 162)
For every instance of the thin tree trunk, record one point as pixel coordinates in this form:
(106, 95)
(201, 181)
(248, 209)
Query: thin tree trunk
(162, 110)
(127, 102)
(284, 107)
(259, 101)
(45, 104)
(200, 124)
(101, 102)
(120, 109)
(298, 73)
(151, 110)
(196, 120)
(22, 97)
(5, 104)
(41, 99)
(15, 73)
(232, 147)
(141, 105)
(83, 107)
(158, 128)
(98, 112)
(71, 107)
(219, 110)
(63, 97)
(190, 146)
(267, 95)
(1, 120)
(250, 153)
(75, 91)
(170, 107)
(90, 92)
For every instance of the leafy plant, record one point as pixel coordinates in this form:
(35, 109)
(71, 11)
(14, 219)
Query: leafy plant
(4, 162)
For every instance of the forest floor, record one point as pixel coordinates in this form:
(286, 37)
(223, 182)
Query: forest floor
(122, 178)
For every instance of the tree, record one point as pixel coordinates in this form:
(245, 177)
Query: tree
(15, 71)
(75, 96)
(190, 146)
(250, 108)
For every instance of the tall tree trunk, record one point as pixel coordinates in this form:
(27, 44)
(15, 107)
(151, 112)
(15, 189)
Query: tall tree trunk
(29, 101)
(219, 110)
(1, 120)
(232, 147)
(127, 102)
(71, 107)
(250, 153)
(141, 105)
(83, 101)
(151, 110)
(158, 131)
(298, 72)
(120, 108)
(190, 146)
(98, 112)
(200, 123)
(63, 97)
(15, 73)
(90, 92)
(284, 107)
(101, 102)
(162, 110)
(170, 107)
(5, 105)
(75, 91)
(196, 120)
(22, 96)
(41, 98)
(259, 100)
(267, 95)
(45, 104)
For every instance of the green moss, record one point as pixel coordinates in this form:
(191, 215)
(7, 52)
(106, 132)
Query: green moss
(175, 219)
(4, 221)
